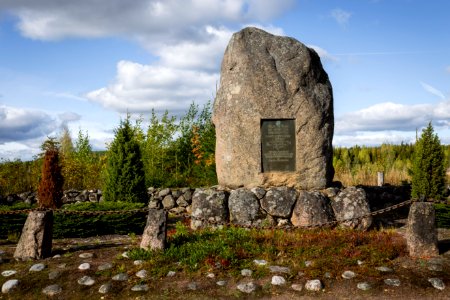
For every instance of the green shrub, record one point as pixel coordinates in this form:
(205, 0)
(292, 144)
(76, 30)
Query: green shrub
(442, 215)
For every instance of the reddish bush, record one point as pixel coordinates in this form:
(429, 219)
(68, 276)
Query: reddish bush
(50, 189)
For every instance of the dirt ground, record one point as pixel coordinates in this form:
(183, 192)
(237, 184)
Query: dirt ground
(413, 275)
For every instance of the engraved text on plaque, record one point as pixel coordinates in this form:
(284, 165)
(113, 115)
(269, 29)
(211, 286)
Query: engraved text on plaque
(278, 145)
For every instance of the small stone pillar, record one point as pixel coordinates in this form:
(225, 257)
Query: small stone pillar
(421, 233)
(155, 232)
(380, 178)
(36, 239)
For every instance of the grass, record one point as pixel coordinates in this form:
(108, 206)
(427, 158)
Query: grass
(231, 249)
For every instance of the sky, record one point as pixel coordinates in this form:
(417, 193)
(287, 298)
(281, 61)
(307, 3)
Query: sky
(84, 64)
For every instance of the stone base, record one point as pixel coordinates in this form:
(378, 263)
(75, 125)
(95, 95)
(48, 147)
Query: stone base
(421, 233)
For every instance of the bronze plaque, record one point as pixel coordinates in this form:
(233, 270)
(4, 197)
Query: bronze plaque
(278, 145)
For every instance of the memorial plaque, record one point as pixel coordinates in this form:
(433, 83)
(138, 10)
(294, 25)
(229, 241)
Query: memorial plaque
(278, 145)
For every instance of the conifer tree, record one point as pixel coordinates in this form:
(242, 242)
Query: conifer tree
(50, 189)
(428, 173)
(125, 178)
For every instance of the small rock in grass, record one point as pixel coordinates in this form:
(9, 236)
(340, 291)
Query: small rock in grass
(52, 290)
(392, 282)
(2, 252)
(105, 266)
(278, 269)
(86, 255)
(140, 288)
(105, 288)
(57, 256)
(260, 262)
(138, 262)
(308, 263)
(142, 274)
(37, 267)
(360, 262)
(246, 272)
(297, 287)
(62, 266)
(125, 254)
(53, 275)
(435, 267)
(193, 286)
(86, 280)
(348, 275)
(210, 275)
(120, 277)
(247, 288)
(9, 286)
(364, 286)
(314, 285)
(384, 269)
(84, 266)
(221, 283)
(278, 280)
(327, 275)
(8, 273)
(171, 273)
(437, 283)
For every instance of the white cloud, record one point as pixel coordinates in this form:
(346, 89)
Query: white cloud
(341, 16)
(373, 138)
(323, 53)
(432, 90)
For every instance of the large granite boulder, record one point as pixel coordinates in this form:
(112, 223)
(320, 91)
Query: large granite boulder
(311, 208)
(421, 233)
(209, 208)
(155, 232)
(244, 207)
(278, 201)
(351, 204)
(36, 239)
(266, 77)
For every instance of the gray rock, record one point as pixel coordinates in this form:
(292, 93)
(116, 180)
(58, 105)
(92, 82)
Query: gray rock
(421, 233)
(221, 283)
(155, 232)
(171, 273)
(193, 286)
(248, 287)
(348, 275)
(2, 252)
(164, 193)
(105, 266)
(246, 272)
(8, 273)
(352, 203)
(392, 281)
(52, 275)
(264, 76)
(260, 262)
(327, 275)
(105, 288)
(244, 207)
(311, 208)
(120, 277)
(278, 269)
(36, 239)
(187, 194)
(86, 255)
(278, 280)
(384, 269)
(210, 275)
(142, 274)
(279, 201)
(86, 280)
(314, 285)
(181, 201)
(435, 267)
(363, 286)
(9, 286)
(437, 283)
(308, 263)
(168, 202)
(52, 290)
(140, 288)
(176, 193)
(259, 192)
(209, 208)
(138, 262)
(297, 287)
(84, 266)
(37, 267)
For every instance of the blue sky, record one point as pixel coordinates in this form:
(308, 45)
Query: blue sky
(85, 63)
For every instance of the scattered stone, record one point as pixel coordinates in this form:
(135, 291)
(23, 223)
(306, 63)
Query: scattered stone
(308, 263)
(171, 273)
(120, 277)
(297, 287)
(348, 275)
(57, 256)
(193, 286)
(2, 252)
(327, 275)
(384, 269)
(363, 286)
(86, 255)
(86, 280)
(84, 266)
(352, 203)
(37, 267)
(278, 269)
(8, 273)
(278, 280)
(142, 274)
(314, 285)
(54, 275)
(62, 266)
(421, 233)
(105, 288)
(210, 275)
(164, 192)
(392, 282)
(221, 283)
(244, 207)
(247, 288)
(155, 232)
(260, 262)
(259, 192)
(246, 272)
(140, 288)
(9, 286)
(300, 274)
(210, 205)
(52, 290)
(105, 266)
(360, 262)
(138, 262)
(437, 283)
(435, 267)
(279, 201)
(312, 208)
(125, 254)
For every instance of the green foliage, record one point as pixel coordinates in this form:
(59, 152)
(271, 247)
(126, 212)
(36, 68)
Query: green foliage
(125, 179)
(17, 176)
(428, 172)
(100, 206)
(442, 215)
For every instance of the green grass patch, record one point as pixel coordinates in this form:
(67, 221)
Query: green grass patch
(442, 215)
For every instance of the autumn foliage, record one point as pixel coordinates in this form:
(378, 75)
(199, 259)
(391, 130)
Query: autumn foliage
(50, 189)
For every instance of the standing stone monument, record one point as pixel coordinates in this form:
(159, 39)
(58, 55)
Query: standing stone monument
(273, 114)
